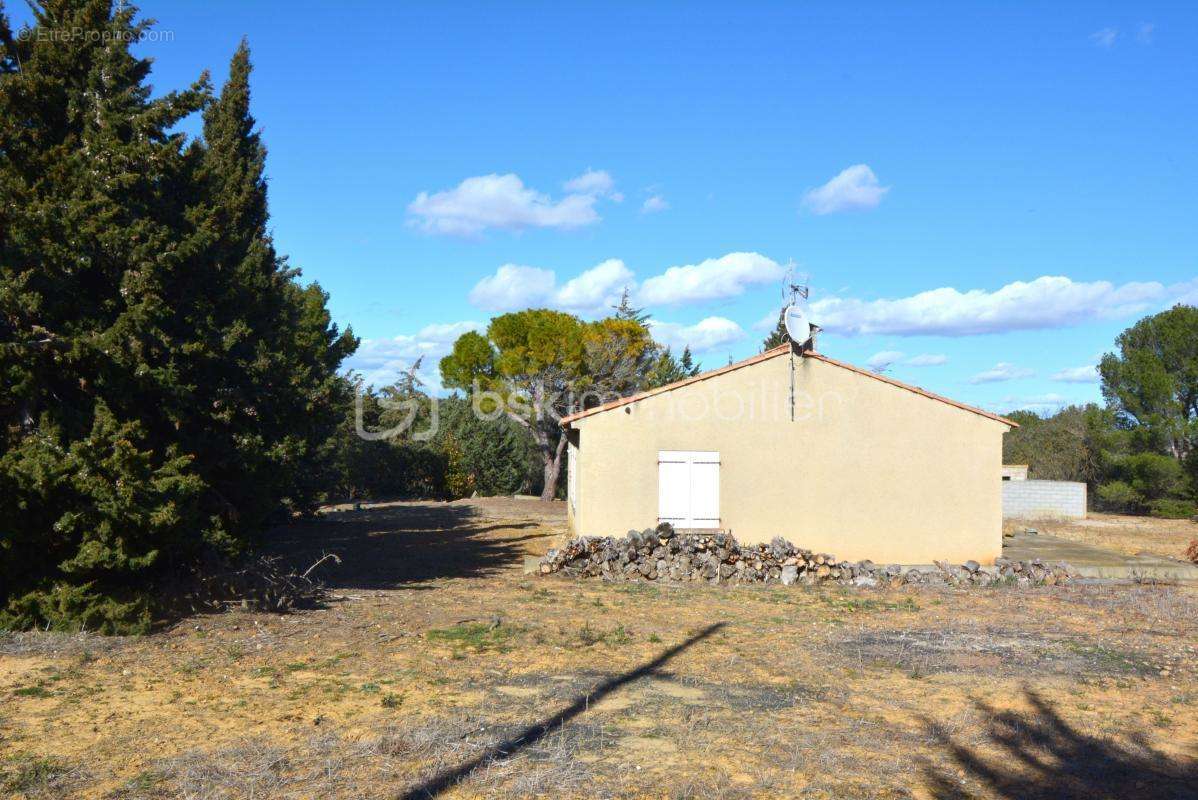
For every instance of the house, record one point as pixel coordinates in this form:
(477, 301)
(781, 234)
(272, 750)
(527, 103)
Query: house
(834, 458)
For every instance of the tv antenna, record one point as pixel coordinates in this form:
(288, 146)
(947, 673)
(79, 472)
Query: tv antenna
(799, 328)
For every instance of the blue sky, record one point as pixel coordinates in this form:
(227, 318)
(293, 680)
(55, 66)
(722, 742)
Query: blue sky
(1032, 166)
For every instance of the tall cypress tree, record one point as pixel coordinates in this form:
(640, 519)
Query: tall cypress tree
(93, 243)
(275, 345)
(164, 381)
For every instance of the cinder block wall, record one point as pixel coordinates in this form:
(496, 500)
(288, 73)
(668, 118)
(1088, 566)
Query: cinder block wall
(1030, 499)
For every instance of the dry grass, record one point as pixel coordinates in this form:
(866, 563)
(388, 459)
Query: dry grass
(444, 668)
(1123, 534)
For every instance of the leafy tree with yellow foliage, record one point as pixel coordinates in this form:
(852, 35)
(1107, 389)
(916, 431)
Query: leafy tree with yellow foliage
(538, 366)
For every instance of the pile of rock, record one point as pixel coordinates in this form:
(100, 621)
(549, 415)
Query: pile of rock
(661, 554)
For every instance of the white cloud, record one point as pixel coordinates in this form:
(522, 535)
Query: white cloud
(1087, 374)
(382, 361)
(768, 322)
(713, 279)
(513, 287)
(654, 203)
(594, 182)
(1145, 32)
(1105, 37)
(1002, 371)
(502, 202)
(597, 289)
(1185, 293)
(1044, 404)
(854, 189)
(1046, 302)
(880, 361)
(707, 334)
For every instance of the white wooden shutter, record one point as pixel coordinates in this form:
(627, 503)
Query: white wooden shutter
(673, 488)
(688, 484)
(705, 491)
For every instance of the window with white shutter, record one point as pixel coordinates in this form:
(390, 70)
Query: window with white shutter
(688, 488)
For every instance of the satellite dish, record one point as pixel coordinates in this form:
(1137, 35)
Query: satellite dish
(797, 325)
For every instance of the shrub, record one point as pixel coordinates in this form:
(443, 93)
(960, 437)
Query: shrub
(1192, 551)
(459, 480)
(1172, 508)
(494, 456)
(1119, 496)
(1153, 475)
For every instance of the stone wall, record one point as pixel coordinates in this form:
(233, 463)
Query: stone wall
(1036, 499)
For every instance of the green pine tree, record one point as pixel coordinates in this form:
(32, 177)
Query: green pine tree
(626, 311)
(667, 369)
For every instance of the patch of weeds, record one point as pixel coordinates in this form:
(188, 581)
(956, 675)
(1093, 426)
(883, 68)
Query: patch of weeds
(29, 775)
(854, 605)
(639, 589)
(38, 690)
(235, 652)
(654, 638)
(1160, 719)
(477, 636)
(263, 672)
(1108, 658)
(781, 596)
(391, 700)
(191, 667)
(335, 659)
(617, 636)
(144, 781)
(370, 688)
(537, 595)
(295, 666)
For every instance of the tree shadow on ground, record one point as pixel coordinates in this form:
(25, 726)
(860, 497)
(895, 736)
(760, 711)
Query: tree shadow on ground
(447, 779)
(1040, 756)
(402, 545)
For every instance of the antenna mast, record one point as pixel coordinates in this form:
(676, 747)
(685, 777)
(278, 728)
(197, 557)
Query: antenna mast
(793, 288)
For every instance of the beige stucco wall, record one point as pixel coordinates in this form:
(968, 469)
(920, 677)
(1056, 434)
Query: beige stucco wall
(867, 469)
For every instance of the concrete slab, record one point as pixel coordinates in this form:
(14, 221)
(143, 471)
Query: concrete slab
(1096, 562)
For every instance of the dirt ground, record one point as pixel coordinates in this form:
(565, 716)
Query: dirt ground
(1124, 534)
(441, 670)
